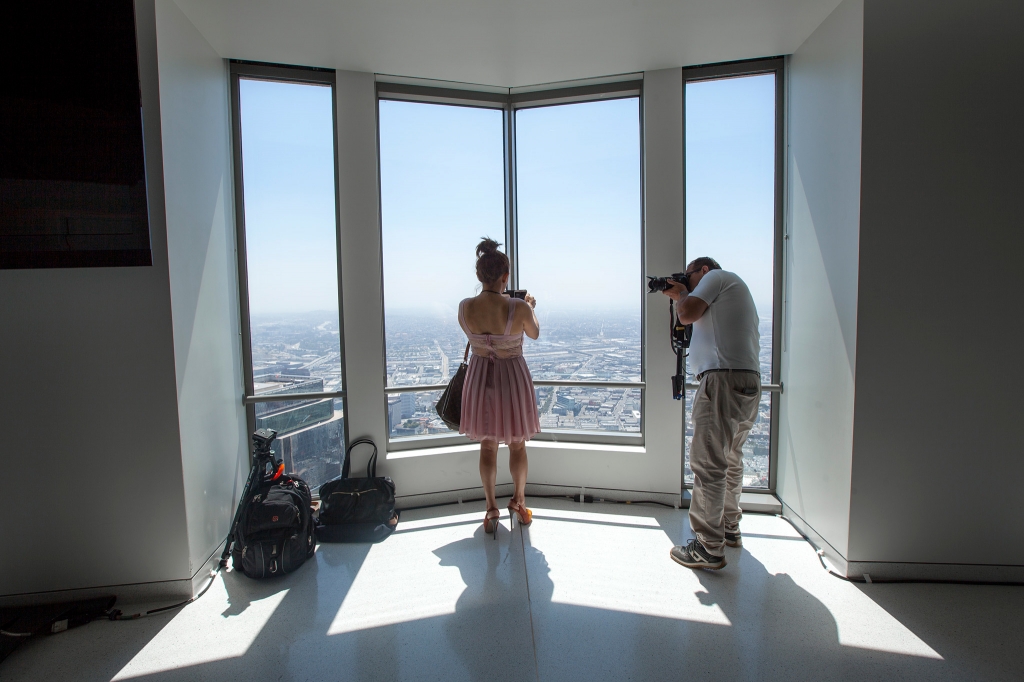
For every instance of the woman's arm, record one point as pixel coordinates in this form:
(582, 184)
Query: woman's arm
(531, 327)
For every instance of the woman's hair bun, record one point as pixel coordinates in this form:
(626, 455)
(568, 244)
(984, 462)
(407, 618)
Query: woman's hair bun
(487, 246)
(491, 263)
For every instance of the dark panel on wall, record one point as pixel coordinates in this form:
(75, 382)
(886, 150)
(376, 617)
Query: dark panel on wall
(72, 173)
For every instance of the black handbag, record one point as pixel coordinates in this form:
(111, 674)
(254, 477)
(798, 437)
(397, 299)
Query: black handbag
(449, 405)
(357, 509)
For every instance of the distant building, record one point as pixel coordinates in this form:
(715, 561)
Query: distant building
(408, 405)
(394, 412)
(568, 403)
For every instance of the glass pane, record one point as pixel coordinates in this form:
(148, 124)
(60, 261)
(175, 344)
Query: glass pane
(413, 414)
(290, 230)
(730, 212)
(310, 433)
(578, 197)
(442, 189)
(598, 410)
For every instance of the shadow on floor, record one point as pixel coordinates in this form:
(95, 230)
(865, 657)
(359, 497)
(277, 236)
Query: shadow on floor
(512, 622)
(977, 629)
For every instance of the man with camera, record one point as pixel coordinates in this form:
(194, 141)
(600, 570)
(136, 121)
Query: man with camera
(724, 352)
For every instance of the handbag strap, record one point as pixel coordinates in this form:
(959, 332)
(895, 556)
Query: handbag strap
(465, 356)
(371, 466)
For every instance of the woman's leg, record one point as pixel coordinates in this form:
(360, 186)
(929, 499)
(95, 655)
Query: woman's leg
(489, 470)
(517, 465)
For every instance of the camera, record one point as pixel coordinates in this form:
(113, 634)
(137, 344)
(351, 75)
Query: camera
(656, 284)
(516, 293)
(679, 334)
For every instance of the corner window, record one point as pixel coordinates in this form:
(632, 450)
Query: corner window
(556, 178)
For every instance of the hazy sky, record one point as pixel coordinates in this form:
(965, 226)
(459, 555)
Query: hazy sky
(288, 179)
(730, 178)
(442, 188)
(578, 170)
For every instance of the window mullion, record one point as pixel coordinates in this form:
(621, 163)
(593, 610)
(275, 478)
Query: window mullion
(511, 212)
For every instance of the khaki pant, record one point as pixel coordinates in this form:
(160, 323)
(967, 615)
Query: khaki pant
(724, 409)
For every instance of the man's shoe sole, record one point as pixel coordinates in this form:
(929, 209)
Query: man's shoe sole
(698, 564)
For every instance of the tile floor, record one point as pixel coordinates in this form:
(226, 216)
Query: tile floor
(588, 592)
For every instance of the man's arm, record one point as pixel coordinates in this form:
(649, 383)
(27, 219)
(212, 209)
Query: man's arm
(689, 309)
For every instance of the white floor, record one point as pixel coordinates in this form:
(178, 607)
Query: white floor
(588, 592)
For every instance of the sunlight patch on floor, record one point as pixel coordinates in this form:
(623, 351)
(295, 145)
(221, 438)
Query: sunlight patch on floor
(203, 621)
(614, 567)
(863, 624)
(402, 579)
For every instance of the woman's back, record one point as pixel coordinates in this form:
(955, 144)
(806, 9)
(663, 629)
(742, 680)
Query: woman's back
(488, 312)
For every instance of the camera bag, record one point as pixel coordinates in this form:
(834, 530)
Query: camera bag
(277, 532)
(357, 509)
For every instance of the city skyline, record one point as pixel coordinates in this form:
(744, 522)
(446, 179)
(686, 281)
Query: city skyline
(290, 352)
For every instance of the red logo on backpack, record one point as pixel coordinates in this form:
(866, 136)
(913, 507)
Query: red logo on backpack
(274, 519)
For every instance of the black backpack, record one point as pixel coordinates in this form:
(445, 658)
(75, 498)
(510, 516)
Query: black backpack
(357, 509)
(276, 533)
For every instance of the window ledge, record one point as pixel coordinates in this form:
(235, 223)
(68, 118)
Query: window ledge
(546, 445)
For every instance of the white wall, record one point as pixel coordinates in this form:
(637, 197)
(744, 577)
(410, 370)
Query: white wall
(198, 182)
(91, 453)
(359, 226)
(820, 309)
(938, 465)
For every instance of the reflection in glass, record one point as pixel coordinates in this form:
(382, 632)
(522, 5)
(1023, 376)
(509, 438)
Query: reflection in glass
(730, 214)
(290, 230)
(442, 189)
(310, 433)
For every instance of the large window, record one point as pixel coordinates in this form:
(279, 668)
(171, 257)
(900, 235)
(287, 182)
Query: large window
(732, 152)
(442, 187)
(558, 182)
(288, 259)
(579, 253)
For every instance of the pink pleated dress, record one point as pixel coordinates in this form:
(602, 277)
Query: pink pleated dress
(498, 401)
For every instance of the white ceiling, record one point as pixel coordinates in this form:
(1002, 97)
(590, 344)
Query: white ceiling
(504, 42)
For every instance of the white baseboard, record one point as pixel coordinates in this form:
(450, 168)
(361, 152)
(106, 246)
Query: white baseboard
(538, 489)
(894, 571)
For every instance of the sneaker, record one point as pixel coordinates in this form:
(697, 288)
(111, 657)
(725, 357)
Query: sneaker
(733, 539)
(693, 555)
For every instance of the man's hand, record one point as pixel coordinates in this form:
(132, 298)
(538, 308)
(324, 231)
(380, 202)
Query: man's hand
(676, 291)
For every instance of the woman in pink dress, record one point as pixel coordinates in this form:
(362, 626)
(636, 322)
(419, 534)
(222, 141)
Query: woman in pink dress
(498, 401)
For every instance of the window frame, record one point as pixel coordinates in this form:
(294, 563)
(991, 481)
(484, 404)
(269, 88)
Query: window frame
(509, 101)
(238, 70)
(739, 69)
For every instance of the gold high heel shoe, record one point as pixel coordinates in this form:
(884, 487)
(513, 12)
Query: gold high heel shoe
(516, 509)
(491, 522)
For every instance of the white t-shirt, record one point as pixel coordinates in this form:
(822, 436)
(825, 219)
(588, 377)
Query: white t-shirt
(725, 336)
